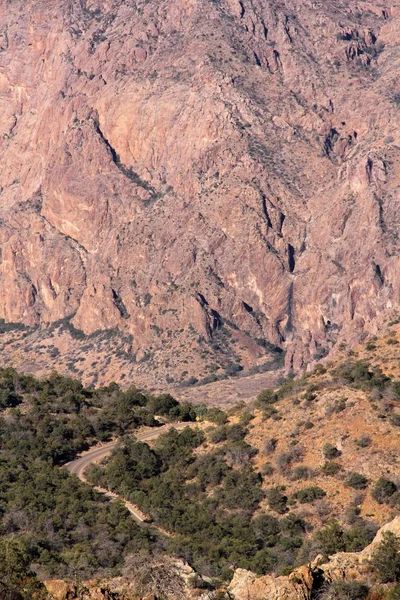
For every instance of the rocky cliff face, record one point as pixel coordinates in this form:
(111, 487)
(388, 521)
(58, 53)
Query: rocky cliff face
(212, 178)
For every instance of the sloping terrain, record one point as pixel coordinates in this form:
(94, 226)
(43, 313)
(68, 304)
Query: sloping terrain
(239, 499)
(213, 179)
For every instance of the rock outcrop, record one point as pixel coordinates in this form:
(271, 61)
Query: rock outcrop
(305, 580)
(212, 179)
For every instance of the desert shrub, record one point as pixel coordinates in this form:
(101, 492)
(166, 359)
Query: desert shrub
(345, 590)
(270, 446)
(330, 451)
(217, 416)
(277, 501)
(359, 536)
(364, 441)
(395, 420)
(266, 397)
(267, 469)
(383, 490)
(337, 407)
(356, 481)
(394, 593)
(396, 389)
(386, 558)
(239, 453)
(246, 418)
(17, 581)
(294, 454)
(309, 494)
(218, 434)
(269, 412)
(283, 461)
(330, 539)
(395, 500)
(308, 425)
(300, 473)
(331, 468)
(360, 375)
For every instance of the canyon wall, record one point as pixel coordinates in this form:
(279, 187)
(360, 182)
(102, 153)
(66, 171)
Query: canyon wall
(215, 179)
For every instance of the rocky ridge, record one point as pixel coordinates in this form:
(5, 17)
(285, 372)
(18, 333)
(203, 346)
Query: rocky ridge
(299, 585)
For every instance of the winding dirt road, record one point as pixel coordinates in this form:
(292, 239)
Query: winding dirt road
(77, 467)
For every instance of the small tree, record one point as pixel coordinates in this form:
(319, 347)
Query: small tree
(330, 539)
(386, 559)
(383, 490)
(17, 582)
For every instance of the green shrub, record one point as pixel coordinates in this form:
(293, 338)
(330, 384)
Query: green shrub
(386, 558)
(276, 500)
(266, 397)
(359, 537)
(331, 468)
(383, 490)
(330, 451)
(394, 593)
(330, 539)
(17, 581)
(267, 469)
(217, 416)
(360, 375)
(357, 481)
(345, 590)
(364, 441)
(218, 434)
(266, 528)
(309, 494)
(395, 420)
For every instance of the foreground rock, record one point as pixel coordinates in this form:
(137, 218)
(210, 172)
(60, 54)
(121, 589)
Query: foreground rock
(301, 584)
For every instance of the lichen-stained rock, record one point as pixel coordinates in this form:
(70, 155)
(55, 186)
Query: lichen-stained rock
(246, 151)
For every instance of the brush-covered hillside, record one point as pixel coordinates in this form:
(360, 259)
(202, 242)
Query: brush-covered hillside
(310, 468)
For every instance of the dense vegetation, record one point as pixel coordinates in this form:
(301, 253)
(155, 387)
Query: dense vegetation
(208, 499)
(63, 526)
(201, 486)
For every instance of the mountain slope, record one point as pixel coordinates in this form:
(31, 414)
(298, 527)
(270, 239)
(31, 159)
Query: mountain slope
(211, 178)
